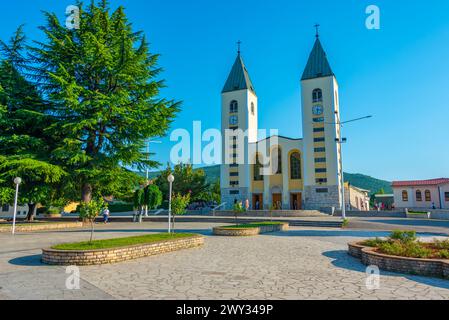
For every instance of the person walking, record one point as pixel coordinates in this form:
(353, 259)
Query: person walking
(106, 214)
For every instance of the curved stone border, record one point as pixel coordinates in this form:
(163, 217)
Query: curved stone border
(114, 255)
(248, 232)
(42, 226)
(424, 267)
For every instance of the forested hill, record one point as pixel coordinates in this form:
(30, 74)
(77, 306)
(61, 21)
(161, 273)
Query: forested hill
(357, 180)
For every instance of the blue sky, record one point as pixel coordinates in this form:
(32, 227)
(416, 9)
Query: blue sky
(399, 74)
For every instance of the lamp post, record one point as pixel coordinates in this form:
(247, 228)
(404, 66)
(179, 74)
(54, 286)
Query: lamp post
(148, 170)
(170, 179)
(340, 141)
(17, 182)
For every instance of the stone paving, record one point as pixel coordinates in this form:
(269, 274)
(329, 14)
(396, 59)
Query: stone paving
(303, 263)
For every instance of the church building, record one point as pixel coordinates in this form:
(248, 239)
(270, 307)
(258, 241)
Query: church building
(307, 174)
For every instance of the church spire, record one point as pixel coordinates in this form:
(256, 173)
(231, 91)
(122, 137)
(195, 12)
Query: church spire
(317, 66)
(238, 78)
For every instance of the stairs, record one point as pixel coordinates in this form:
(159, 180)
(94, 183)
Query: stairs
(316, 224)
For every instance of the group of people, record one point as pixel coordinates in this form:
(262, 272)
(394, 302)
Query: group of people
(246, 205)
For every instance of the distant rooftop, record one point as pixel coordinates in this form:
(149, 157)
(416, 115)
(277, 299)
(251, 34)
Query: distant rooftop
(416, 183)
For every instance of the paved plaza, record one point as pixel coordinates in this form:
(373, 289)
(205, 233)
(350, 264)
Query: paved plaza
(302, 263)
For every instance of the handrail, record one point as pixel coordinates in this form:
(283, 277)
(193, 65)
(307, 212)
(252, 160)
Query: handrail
(217, 207)
(158, 212)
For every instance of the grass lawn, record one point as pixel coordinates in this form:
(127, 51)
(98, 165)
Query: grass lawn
(121, 242)
(253, 225)
(417, 213)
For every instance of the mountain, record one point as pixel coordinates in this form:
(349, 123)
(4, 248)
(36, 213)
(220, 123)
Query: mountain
(368, 183)
(357, 180)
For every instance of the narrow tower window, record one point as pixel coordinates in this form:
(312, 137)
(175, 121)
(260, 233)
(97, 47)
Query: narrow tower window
(234, 107)
(317, 95)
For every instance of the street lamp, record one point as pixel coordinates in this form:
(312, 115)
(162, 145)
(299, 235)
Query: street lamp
(170, 179)
(340, 141)
(17, 182)
(148, 170)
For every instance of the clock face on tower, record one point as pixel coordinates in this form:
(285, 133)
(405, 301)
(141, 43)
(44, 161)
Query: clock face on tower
(233, 120)
(318, 110)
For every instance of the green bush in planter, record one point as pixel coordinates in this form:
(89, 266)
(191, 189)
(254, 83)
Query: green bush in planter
(52, 211)
(404, 236)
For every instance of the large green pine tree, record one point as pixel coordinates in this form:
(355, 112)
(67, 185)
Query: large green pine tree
(102, 87)
(24, 145)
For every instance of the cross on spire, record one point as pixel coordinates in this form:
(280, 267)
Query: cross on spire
(239, 43)
(317, 27)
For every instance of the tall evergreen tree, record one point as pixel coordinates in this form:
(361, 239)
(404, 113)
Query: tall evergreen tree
(101, 84)
(24, 145)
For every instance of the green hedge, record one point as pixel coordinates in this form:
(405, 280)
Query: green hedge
(121, 207)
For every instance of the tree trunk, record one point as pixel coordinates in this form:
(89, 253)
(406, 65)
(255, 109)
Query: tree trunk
(32, 209)
(91, 230)
(174, 223)
(86, 193)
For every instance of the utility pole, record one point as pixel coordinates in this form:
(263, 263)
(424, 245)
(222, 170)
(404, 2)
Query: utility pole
(340, 142)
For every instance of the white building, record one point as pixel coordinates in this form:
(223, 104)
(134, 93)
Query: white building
(425, 194)
(308, 172)
(7, 211)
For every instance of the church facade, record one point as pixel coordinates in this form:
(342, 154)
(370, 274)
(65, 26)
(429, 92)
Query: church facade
(279, 172)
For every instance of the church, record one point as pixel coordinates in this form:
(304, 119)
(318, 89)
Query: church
(308, 171)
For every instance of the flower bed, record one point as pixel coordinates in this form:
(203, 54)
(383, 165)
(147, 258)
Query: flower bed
(118, 250)
(40, 226)
(251, 229)
(403, 253)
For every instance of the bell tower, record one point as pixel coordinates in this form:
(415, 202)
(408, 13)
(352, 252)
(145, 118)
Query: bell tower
(238, 112)
(320, 112)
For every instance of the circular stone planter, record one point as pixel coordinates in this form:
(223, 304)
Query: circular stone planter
(248, 232)
(114, 255)
(425, 267)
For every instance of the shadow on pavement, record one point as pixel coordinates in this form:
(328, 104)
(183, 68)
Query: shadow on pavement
(346, 233)
(341, 259)
(28, 261)
(414, 222)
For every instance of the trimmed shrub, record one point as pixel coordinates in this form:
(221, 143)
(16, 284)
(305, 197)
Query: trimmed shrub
(443, 254)
(409, 249)
(374, 243)
(404, 236)
(53, 211)
(442, 245)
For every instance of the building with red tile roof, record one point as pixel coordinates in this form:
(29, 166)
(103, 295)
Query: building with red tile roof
(422, 194)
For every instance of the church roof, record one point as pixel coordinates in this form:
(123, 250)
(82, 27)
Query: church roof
(317, 65)
(239, 78)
